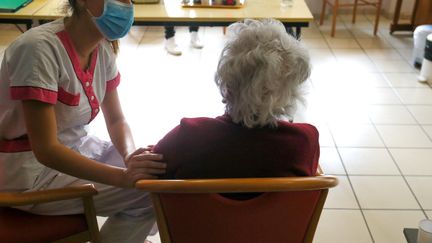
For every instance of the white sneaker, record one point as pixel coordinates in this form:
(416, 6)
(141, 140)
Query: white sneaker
(195, 41)
(172, 47)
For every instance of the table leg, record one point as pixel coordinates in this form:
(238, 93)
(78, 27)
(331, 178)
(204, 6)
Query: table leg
(29, 24)
(298, 32)
(289, 30)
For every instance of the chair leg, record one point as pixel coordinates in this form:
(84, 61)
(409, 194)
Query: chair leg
(323, 11)
(354, 11)
(377, 17)
(90, 213)
(335, 10)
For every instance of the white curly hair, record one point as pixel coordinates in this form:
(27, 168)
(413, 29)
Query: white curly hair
(260, 71)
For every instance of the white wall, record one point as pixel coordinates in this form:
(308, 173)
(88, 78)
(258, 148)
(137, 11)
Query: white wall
(387, 8)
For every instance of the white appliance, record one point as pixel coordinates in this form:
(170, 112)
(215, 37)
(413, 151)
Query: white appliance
(420, 34)
(426, 69)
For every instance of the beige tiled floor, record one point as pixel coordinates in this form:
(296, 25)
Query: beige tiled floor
(383, 192)
(374, 118)
(386, 225)
(413, 162)
(342, 196)
(368, 161)
(342, 226)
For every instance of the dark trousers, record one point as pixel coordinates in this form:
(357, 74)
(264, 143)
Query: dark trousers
(170, 32)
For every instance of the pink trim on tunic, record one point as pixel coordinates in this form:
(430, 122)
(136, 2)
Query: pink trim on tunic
(68, 98)
(85, 77)
(15, 146)
(113, 83)
(33, 93)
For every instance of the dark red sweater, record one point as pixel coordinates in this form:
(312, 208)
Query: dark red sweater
(219, 148)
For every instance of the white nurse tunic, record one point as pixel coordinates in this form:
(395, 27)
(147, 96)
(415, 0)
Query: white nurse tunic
(43, 65)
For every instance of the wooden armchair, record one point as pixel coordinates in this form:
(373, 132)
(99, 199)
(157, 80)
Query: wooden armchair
(193, 211)
(19, 226)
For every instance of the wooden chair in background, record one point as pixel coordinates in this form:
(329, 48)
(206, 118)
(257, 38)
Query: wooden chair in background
(421, 14)
(335, 5)
(20, 226)
(192, 211)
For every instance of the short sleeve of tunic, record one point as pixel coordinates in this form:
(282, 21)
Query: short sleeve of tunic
(33, 69)
(113, 75)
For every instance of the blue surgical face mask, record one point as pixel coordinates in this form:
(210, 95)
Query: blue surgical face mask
(116, 19)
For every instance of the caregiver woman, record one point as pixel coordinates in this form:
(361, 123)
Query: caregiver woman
(54, 80)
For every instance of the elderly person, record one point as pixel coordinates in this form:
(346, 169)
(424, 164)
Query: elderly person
(259, 75)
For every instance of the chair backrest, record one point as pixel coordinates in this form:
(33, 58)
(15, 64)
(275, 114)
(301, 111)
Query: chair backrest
(20, 226)
(194, 211)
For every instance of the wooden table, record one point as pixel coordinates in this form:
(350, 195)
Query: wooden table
(23, 15)
(170, 12)
(52, 10)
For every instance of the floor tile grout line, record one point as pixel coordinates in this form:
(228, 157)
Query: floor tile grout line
(344, 167)
(406, 182)
(399, 169)
(384, 175)
(424, 130)
(392, 147)
(374, 63)
(389, 152)
(352, 188)
(381, 138)
(146, 29)
(376, 66)
(418, 124)
(391, 155)
(392, 209)
(377, 209)
(348, 176)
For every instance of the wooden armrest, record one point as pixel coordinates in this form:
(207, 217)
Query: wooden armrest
(25, 198)
(233, 185)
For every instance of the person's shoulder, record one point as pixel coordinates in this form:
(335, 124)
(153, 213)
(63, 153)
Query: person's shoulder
(27, 41)
(106, 52)
(297, 125)
(305, 128)
(106, 48)
(196, 121)
(38, 38)
(189, 129)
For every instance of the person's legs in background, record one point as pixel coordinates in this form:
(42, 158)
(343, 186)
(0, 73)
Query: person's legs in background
(170, 44)
(195, 41)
